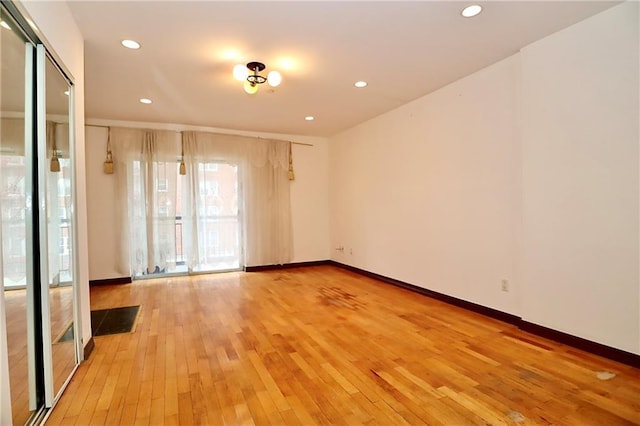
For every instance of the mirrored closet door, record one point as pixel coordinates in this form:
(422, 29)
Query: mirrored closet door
(55, 219)
(16, 165)
(38, 257)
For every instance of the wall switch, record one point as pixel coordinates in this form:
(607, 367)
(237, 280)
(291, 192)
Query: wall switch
(505, 285)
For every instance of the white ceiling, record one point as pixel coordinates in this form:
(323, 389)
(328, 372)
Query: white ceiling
(404, 49)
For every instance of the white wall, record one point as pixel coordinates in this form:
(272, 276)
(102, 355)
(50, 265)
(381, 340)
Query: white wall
(427, 193)
(63, 37)
(101, 209)
(309, 197)
(526, 171)
(580, 179)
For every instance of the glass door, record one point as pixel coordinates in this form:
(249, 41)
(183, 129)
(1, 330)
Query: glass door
(218, 218)
(205, 240)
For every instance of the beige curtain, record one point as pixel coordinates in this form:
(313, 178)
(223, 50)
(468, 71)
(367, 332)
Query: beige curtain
(263, 165)
(145, 165)
(267, 203)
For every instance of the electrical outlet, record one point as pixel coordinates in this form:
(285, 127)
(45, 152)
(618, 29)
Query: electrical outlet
(505, 285)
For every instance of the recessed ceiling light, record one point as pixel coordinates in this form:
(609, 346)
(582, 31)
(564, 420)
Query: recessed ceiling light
(131, 44)
(145, 101)
(360, 84)
(471, 11)
(5, 25)
(309, 118)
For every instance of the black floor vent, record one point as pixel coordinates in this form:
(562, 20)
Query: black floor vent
(114, 320)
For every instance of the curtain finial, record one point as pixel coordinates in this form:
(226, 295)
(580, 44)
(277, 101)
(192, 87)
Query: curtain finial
(183, 167)
(108, 163)
(292, 175)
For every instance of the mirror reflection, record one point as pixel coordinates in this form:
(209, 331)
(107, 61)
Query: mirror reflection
(59, 230)
(13, 189)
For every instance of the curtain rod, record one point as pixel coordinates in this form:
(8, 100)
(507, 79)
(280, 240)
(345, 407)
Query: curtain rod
(180, 131)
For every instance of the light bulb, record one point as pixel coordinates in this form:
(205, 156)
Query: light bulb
(274, 78)
(250, 88)
(240, 72)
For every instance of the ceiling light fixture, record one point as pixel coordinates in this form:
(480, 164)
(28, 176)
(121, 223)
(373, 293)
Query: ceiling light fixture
(145, 101)
(252, 79)
(309, 118)
(360, 84)
(131, 44)
(3, 24)
(471, 11)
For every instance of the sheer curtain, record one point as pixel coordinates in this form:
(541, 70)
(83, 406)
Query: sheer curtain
(12, 201)
(200, 150)
(265, 199)
(155, 203)
(146, 167)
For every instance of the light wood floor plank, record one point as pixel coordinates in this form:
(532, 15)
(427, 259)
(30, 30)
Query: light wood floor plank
(321, 345)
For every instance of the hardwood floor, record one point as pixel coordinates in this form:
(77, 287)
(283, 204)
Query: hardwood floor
(63, 353)
(15, 303)
(321, 345)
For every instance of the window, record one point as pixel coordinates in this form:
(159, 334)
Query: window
(218, 218)
(163, 185)
(216, 227)
(213, 239)
(211, 188)
(213, 210)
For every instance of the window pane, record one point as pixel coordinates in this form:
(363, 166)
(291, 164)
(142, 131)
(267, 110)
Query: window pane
(218, 217)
